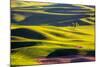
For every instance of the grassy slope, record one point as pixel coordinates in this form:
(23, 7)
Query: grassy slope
(75, 39)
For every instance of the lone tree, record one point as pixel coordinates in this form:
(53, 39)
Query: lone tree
(75, 25)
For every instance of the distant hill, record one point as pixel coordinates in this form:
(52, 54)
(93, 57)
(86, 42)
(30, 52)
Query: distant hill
(53, 14)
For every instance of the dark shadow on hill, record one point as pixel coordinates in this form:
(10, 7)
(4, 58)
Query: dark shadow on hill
(27, 33)
(91, 53)
(55, 20)
(63, 53)
(23, 44)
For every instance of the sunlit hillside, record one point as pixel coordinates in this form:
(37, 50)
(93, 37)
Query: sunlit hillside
(47, 33)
